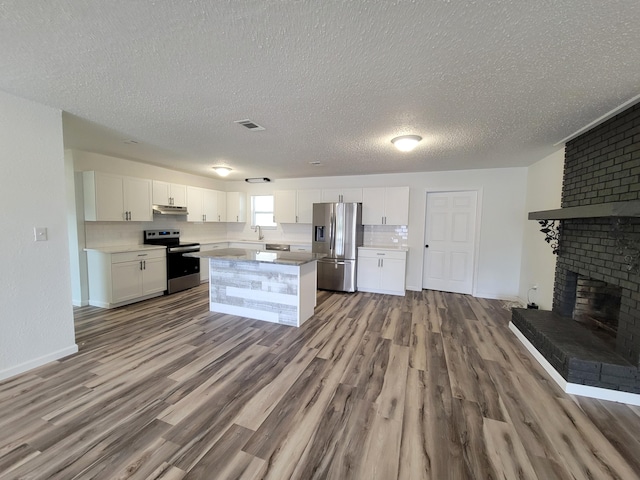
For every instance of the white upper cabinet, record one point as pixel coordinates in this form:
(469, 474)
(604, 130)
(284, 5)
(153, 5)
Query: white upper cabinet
(295, 206)
(205, 205)
(115, 198)
(221, 206)
(284, 206)
(165, 193)
(210, 205)
(385, 206)
(194, 204)
(236, 207)
(345, 195)
(306, 199)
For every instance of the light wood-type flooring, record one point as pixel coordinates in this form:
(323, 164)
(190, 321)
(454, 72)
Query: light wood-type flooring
(429, 386)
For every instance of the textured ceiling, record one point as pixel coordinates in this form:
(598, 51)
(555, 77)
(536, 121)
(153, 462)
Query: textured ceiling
(486, 83)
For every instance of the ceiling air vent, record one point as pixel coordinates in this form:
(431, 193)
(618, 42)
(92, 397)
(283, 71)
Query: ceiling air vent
(250, 124)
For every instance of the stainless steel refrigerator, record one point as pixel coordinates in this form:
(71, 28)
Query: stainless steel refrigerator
(337, 232)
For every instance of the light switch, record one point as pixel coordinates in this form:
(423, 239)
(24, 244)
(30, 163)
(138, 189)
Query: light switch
(40, 234)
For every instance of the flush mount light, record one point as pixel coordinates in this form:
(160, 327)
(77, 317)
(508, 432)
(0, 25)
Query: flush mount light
(406, 143)
(257, 180)
(222, 171)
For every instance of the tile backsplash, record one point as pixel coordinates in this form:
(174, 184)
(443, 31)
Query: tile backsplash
(386, 235)
(104, 234)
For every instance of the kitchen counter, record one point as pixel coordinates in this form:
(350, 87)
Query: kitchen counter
(125, 248)
(279, 258)
(278, 287)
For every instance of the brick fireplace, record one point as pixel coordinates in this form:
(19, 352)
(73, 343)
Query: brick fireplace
(592, 335)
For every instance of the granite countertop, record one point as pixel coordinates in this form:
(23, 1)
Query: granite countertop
(125, 248)
(279, 258)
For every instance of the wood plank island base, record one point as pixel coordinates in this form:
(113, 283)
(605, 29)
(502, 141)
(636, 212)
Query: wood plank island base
(278, 287)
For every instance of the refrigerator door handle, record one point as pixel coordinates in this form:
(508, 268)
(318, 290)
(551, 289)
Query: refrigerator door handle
(332, 232)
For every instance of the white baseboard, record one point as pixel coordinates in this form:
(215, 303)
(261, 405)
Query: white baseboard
(497, 296)
(37, 362)
(575, 388)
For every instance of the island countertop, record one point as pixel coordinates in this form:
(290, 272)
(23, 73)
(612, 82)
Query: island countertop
(278, 258)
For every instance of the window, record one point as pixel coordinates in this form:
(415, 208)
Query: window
(262, 211)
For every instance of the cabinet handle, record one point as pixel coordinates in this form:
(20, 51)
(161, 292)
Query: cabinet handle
(140, 264)
(218, 217)
(144, 264)
(382, 262)
(237, 218)
(296, 218)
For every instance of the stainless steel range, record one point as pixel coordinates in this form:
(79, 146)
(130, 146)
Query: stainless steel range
(182, 272)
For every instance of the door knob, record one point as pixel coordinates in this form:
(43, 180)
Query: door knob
(426, 246)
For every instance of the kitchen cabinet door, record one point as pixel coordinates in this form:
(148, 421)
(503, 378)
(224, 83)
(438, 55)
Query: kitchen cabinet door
(178, 195)
(114, 198)
(126, 281)
(195, 204)
(164, 193)
(221, 207)
(368, 273)
(396, 206)
(103, 197)
(385, 206)
(236, 207)
(305, 200)
(154, 275)
(284, 206)
(210, 205)
(137, 199)
(373, 202)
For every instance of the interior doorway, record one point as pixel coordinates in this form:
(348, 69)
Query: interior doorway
(450, 241)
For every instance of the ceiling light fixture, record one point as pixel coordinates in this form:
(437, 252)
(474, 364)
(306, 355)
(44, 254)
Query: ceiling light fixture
(257, 180)
(406, 143)
(222, 171)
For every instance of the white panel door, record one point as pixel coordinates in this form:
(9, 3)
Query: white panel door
(450, 241)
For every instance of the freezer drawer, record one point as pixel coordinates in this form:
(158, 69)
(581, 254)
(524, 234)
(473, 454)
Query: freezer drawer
(337, 275)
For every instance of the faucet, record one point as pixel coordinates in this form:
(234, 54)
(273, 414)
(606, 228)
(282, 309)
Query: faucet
(258, 230)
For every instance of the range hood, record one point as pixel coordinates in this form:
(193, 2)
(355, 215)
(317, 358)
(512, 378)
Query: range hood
(169, 210)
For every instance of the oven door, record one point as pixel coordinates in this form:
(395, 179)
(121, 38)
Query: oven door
(182, 272)
(179, 266)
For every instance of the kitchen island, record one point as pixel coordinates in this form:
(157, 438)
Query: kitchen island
(278, 287)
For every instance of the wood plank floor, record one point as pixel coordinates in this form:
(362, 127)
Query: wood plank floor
(429, 386)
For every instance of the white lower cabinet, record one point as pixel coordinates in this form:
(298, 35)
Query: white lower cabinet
(382, 271)
(204, 262)
(117, 279)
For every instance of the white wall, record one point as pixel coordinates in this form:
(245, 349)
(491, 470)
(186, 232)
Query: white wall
(544, 191)
(36, 317)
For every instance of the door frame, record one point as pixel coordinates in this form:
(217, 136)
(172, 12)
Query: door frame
(476, 239)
